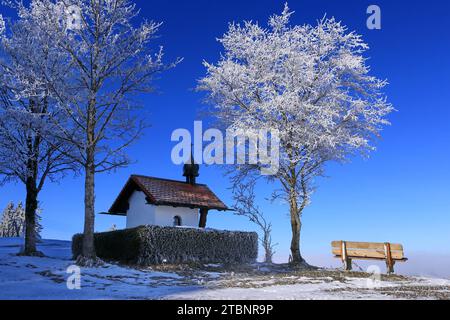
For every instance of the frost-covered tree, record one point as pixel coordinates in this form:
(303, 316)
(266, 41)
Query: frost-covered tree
(38, 226)
(2, 25)
(21, 216)
(28, 151)
(111, 62)
(246, 206)
(312, 84)
(12, 223)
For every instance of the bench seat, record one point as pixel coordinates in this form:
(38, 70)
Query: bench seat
(351, 250)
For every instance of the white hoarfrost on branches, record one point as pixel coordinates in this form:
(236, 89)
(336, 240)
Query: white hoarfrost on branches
(12, 222)
(2, 25)
(312, 84)
(245, 205)
(110, 62)
(29, 151)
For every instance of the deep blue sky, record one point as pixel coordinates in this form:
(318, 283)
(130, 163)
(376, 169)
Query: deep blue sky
(400, 194)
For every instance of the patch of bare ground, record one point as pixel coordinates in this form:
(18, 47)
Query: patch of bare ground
(54, 277)
(418, 292)
(406, 292)
(295, 277)
(260, 275)
(217, 276)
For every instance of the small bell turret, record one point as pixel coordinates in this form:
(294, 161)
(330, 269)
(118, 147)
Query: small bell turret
(191, 169)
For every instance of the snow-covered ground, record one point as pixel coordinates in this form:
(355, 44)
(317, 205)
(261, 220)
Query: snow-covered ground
(47, 278)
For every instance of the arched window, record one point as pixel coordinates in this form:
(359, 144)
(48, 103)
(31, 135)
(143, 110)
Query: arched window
(176, 221)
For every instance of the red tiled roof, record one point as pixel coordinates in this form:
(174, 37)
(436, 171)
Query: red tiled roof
(167, 192)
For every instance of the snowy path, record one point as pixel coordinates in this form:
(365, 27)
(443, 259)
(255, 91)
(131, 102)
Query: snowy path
(46, 278)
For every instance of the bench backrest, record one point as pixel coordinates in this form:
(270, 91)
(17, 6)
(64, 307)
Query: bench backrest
(369, 250)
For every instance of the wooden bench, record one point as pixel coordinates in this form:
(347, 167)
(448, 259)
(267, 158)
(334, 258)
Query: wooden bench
(347, 250)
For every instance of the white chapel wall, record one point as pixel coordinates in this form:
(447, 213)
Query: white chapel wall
(140, 213)
(164, 216)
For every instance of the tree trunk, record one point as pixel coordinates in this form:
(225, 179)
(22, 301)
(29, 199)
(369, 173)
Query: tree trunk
(267, 252)
(31, 203)
(89, 213)
(296, 226)
(88, 257)
(30, 217)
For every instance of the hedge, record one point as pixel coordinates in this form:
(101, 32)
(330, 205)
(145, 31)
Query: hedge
(148, 245)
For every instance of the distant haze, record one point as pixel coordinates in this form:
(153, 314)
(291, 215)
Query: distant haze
(436, 265)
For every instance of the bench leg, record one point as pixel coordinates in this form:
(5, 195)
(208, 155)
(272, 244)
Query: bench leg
(390, 267)
(348, 264)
